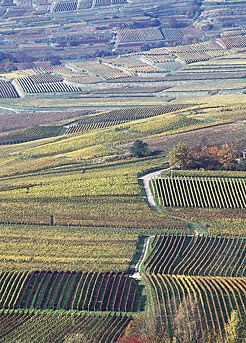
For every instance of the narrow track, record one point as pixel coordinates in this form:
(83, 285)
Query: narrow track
(136, 274)
(198, 229)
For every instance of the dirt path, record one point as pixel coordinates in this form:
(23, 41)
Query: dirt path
(197, 228)
(146, 179)
(11, 109)
(136, 274)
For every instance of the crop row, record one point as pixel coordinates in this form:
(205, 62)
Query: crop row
(72, 213)
(45, 78)
(125, 90)
(7, 90)
(85, 196)
(116, 117)
(99, 3)
(98, 69)
(139, 35)
(200, 192)
(187, 255)
(102, 3)
(125, 61)
(184, 76)
(89, 249)
(144, 69)
(56, 326)
(193, 57)
(90, 291)
(210, 45)
(233, 42)
(33, 133)
(28, 86)
(87, 127)
(65, 6)
(216, 298)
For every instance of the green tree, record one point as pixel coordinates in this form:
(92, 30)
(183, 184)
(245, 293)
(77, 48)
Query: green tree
(139, 149)
(235, 330)
(180, 156)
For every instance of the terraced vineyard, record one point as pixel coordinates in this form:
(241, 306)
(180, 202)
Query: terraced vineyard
(76, 227)
(31, 327)
(202, 192)
(30, 134)
(120, 116)
(138, 35)
(64, 6)
(7, 90)
(31, 85)
(70, 248)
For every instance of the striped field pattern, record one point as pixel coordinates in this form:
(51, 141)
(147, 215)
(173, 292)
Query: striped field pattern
(201, 192)
(203, 255)
(54, 326)
(89, 291)
(217, 298)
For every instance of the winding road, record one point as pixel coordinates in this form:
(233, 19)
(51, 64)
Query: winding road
(146, 179)
(198, 228)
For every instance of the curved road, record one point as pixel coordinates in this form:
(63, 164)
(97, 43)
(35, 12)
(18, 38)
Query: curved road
(146, 179)
(197, 228)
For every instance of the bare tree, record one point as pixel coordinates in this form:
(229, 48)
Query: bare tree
(76, 338)
(149, 328)
(187, 322)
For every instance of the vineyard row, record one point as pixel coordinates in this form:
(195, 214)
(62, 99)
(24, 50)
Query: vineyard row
(54, 326)
(200, 192)
(116, 117)
(216, 298)
(90, 291)
(190, 255)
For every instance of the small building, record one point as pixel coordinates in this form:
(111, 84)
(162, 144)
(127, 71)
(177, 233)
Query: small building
(243, 152)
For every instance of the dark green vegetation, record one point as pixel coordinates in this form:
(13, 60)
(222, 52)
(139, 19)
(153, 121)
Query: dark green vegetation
(30, 134)
(139, 149)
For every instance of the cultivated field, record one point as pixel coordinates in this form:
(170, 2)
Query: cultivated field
(84, 247)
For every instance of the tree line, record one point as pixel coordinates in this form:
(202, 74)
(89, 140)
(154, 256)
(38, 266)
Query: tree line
(214, 157)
